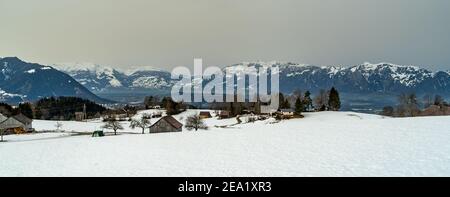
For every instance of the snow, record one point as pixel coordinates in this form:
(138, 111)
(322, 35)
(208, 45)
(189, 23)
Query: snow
(321, 144)
(151, 82)
(293, 74)
(46, 68)
(407, 75)
(4, 95)
(31, 71)
(100, 72)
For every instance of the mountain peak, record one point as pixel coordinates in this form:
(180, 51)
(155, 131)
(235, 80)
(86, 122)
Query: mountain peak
(11, 59)
(22, 81)
(371, 66)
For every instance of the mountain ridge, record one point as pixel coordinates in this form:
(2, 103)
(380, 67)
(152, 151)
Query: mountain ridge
(22, 81)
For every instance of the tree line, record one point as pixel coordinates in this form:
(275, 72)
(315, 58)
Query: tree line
(409, 105)
(54, 108)
(325, 100)
(172, 107)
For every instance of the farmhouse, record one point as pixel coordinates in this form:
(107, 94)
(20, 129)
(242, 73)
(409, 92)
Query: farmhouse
(205, 114)
(224, 114)
(16, 124)
(166, 124)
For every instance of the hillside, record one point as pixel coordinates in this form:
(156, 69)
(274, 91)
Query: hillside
(22, 81)
(321, 144)
(365, 87)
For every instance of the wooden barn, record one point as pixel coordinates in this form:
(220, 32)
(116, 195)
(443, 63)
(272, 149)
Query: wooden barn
(205, 114)
(166, 124)
(224, 114)
(16, 125)
(2, 117)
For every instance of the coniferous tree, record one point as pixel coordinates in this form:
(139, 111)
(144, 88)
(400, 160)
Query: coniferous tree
(298, 106)
(286, 104)
(6, 109)
(334, 102)
(307, 102)
(26, 109)
(65, 107)
(438, 100)
(281, 100)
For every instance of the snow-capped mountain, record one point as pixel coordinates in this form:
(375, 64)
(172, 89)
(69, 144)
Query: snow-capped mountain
(358, 81)
(152, 79)
(364, 78)
(93, 76)
(103, 78)
(23, 81)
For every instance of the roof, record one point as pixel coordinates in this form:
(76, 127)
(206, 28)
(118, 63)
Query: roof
(171, 120)
(205, 113)
(11, 122)
(224, 113)
(2, 117)
(23, 119)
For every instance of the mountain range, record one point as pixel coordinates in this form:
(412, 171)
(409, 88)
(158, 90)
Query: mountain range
(22, 81)
(364, 78)
(26, 81)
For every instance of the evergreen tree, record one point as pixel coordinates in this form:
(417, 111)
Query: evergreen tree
(26, 109)
(334, 102)
(281, 100)
(286, 104)
(298, 106)
(172, 107)
(65, 107)
(6, 109)
(307, 102)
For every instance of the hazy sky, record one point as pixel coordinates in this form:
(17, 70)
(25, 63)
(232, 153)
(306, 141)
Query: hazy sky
(168, 33)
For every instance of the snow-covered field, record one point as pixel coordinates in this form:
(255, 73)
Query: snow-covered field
(321, 144)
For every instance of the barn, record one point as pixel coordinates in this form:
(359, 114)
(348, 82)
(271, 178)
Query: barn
(166, 124)
(224, 114)
(205, 114)
(16, 124)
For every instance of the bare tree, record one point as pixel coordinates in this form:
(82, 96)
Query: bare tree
(427, 100)
(114, 125)
(195, 122)
(409, 105)
(2, 132)
(321, 100)
(142, 123)
(58, 125)
(388, 111)
(438, 100)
